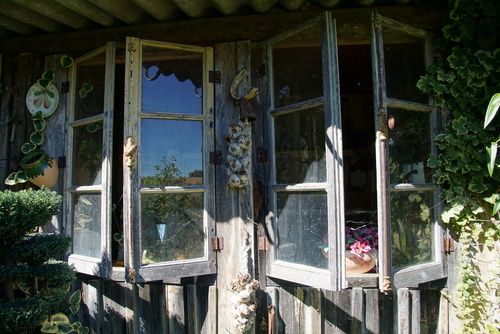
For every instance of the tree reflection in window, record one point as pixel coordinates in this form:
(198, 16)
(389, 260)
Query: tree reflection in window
(172, 223)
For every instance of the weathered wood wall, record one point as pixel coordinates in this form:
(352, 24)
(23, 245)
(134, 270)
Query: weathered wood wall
(190, 307)
(204, 304)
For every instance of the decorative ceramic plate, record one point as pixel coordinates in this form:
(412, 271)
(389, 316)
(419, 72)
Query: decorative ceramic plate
(44, 100)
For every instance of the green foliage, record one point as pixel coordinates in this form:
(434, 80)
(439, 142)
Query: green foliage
(22, 314)
(179, 214)
(40, 248)
(22, 211)
(33, 284)
(464, 82)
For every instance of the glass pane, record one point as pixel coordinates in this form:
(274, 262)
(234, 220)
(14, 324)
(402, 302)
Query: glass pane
(297, 70)
(171, 153)
(409, 147)
(404, 64)
(172, 227)
(87, 156)
(87, 225)
(412, 215)
(302, 227)
(89, 97)
(300, 146)
(172, 80)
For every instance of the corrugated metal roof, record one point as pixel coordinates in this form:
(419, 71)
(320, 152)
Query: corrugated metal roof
(36, 17)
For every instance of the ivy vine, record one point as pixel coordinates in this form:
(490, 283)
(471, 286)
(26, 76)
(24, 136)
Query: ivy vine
(463, 82)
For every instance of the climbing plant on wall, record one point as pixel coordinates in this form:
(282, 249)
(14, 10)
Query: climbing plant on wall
(463, 82)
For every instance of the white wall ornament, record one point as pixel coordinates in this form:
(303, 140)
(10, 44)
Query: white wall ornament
(239, 142)
(245, 302)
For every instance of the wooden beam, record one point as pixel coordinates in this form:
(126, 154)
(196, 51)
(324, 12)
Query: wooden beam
(159, 9)
(125, 10)
(213, 30)
(30, 17)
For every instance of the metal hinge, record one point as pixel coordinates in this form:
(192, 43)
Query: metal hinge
(263, 244)
(448, 245)
(261, 155)
(64, 87)
(214, 76)
(217, 243)
(61, 162)
(261, 70)
(215, 158)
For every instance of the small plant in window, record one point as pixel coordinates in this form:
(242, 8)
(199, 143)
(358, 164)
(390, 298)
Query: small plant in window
(361, 248)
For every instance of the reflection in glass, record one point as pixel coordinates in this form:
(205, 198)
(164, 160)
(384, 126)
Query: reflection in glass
(409, 147)
(300, 146)
(411, 219)
(404, 64)
(171, 153)
(87, 156)
(172, 227)
(89, 97)
(302, 223)
(297, 68)
(173, 84)
(87, 225)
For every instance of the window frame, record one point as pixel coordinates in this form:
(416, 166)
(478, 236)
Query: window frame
(335, 278)
(332, 278)
(415, 274)
(101, 267)
(135, 271)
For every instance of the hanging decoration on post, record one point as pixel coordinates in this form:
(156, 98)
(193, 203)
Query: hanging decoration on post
(239, 136)
(244, 102)
(245, 302)
(239, 141)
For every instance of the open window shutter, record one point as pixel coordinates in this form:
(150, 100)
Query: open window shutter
(88, 177)
(168, 203)
(307, 191)
(410, 237)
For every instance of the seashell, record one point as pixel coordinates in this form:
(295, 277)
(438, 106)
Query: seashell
(234, 149)
(234, 181)
(244, 278)
(244, 296)
(234, 164)
(243, 174)
(244, 310)
(243, 184)
(245, 160)
(252, 286)
(245, 142)
(235, 131)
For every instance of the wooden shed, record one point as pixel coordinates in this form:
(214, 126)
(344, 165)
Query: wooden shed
(236, 165)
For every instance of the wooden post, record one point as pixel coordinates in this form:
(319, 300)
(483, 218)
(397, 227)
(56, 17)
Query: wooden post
(234, 206)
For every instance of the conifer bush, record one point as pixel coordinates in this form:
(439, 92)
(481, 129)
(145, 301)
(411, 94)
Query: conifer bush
(33, 283)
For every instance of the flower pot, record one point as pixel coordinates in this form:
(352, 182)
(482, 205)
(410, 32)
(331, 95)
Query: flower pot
(360, 263)
(40, 169)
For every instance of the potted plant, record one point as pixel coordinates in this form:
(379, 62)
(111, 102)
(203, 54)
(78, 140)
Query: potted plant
(361, 249)
(42, 100)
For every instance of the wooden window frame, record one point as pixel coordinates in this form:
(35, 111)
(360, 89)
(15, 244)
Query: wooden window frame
(335, 278)
(332, 278)
(413, 275)
(88, 265)
(134, 271)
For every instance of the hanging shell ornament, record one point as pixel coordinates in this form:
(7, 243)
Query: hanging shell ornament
(245, 302)
(239, 142)
(244, 102)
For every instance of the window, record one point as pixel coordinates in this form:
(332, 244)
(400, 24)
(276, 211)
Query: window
(350, 134)
(139, 177)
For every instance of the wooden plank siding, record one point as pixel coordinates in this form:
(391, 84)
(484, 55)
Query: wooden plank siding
(118, 307)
